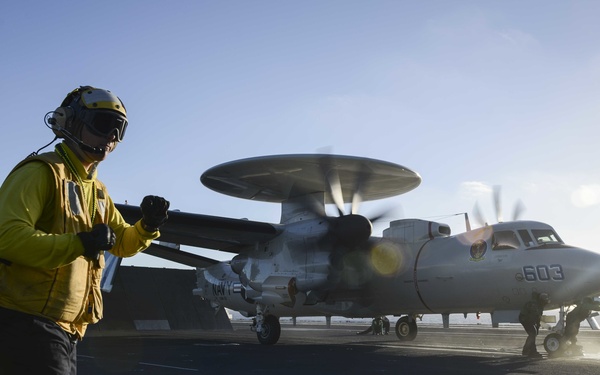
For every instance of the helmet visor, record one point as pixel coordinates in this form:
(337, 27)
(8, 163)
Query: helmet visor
(105, 123)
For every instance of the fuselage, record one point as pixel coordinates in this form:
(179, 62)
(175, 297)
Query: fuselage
(416, 267)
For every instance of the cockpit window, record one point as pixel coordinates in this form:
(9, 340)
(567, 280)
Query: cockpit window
(526, 237)
(505, 240)
(545, 236)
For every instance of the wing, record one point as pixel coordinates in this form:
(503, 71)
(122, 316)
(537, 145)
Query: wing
(210, 232)
(173, 254)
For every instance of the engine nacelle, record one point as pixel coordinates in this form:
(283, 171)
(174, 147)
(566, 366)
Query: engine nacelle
(221, 285)
(238, 263)
(415, 230)
(276, 290)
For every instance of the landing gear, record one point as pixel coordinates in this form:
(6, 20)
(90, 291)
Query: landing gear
(266, 326)
(270, 330)
(554, 345)
(406, 328)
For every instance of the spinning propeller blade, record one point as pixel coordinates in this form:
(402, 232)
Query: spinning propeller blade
(478, 216)
(497, 189)
(332, 180)
(356, 201)
(360, 185)
(335, 188)
(498, 203)
(518, 210)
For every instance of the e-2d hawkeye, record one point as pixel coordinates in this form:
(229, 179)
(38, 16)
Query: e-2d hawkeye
(312, 264)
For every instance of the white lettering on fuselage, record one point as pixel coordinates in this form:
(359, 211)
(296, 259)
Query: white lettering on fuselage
(223, 288)
(226, 288)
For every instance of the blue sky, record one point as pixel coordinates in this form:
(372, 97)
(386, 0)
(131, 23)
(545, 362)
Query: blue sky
(469, 94)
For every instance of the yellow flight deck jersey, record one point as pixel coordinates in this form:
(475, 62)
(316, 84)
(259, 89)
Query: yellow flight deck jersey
(44, 202)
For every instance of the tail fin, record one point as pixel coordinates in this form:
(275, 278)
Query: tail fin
(112, 264)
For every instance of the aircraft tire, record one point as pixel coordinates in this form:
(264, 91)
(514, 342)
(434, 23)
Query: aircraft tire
(406, 329)
(553, 344)
(271, 331)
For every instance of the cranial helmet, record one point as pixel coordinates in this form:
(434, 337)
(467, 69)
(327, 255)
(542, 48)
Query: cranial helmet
(99, 110)
(544, 297)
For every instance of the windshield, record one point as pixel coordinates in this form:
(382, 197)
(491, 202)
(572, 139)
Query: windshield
(545, 236)
(505, 240)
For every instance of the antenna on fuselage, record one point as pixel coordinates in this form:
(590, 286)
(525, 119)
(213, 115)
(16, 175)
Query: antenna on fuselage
(467, 223)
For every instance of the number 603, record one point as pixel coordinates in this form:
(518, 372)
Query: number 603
(543, 272)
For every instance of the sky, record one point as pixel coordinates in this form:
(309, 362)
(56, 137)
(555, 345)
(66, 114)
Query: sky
(469, 94)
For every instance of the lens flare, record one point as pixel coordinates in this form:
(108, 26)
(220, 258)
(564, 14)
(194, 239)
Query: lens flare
(386, 259)
(586, 196)
(475, 235)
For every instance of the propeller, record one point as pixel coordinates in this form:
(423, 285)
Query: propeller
(335, 190)
(478, 216)
(361, 184)
(351, 229)
(497, 202)
(518, 209)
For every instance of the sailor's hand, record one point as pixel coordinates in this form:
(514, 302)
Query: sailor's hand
(100, 238)
(154, 212)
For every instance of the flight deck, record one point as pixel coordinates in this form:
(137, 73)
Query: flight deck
(316, 349)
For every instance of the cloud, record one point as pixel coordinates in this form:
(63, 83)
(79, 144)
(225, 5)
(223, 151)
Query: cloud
(475, 188)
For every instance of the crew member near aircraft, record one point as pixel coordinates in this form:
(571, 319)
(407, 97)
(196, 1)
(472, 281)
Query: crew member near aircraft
(575, 317)
(56, 221)
(530, 317)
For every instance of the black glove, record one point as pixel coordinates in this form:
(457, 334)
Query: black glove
(101, 237)
(154, 212)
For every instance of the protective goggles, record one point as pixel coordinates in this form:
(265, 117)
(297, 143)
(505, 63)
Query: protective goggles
(105, 123)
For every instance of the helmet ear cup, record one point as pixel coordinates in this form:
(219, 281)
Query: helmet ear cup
(61, 119)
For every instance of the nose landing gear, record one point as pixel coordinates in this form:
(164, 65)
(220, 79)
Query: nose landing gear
(553, 344)
(556, 345)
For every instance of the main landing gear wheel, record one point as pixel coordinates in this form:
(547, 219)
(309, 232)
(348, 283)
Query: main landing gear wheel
(406, 329)
(553, 344)
(271, 330)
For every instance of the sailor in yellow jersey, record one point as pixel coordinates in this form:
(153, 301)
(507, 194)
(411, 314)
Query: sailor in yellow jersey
(56, 221)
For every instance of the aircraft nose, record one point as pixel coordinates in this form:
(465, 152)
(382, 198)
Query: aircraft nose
(590, 272)
(580, 273)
